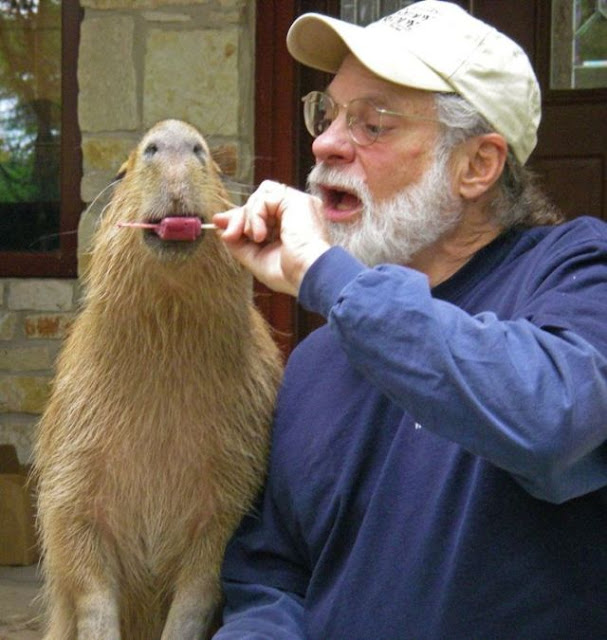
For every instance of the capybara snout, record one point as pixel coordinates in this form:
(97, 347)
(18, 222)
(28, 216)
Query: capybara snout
(155, 439)
(178, 173)
(171, 174)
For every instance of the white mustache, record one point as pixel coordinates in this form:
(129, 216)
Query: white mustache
(333, 178)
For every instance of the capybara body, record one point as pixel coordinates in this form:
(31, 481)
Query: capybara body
(155, 439)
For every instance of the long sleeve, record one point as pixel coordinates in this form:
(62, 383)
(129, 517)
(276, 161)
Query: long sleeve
(525, 389)
(258, 612)
(413, 436)
(264, 576)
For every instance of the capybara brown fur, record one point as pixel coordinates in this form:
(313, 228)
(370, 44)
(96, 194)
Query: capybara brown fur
(155, 439)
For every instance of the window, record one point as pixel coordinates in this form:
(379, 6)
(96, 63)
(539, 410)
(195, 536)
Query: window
(39, 142)
(363, 12)
(579, 44)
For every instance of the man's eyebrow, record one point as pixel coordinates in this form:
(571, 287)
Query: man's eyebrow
(377, 98)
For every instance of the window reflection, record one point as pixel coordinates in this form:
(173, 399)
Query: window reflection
(579, 44)
(363, 12)
(30, 112)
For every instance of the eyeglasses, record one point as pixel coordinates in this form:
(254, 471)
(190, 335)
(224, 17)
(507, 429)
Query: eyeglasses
(366, 122)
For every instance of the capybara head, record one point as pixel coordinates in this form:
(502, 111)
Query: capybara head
(171, 174)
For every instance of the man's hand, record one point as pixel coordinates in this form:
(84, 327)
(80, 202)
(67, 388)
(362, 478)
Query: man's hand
(277, 234)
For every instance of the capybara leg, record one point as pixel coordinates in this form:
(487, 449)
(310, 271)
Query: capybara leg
(62, 619)
(192, 610)
(80, 568)
(98, 616)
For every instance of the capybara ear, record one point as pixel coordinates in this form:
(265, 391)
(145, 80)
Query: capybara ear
(122, 171)
(126, 166)
(225, 159)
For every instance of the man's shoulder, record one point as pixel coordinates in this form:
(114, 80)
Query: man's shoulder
(550, 245)
(578, 230)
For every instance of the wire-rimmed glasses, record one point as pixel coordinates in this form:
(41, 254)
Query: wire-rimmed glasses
(366, 121)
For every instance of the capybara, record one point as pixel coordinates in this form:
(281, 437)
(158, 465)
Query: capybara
(155, 439)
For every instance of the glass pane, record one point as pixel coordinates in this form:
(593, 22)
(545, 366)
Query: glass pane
(579, 44)
(363, 12)
(30, 115)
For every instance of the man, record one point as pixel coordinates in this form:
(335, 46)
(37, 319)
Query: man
(438, 464)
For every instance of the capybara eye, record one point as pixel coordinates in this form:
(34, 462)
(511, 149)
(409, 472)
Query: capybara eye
(151, 149)
(199, 151)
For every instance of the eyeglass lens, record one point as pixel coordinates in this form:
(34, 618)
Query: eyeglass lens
(363, 119)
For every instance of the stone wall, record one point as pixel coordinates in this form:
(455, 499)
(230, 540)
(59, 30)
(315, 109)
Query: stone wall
(140, 61)
(34, 316)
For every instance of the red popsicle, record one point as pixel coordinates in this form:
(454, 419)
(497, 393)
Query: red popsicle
(176, 228)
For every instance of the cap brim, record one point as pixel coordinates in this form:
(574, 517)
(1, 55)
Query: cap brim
(322, 43)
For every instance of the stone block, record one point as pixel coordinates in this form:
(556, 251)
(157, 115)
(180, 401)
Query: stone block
(93, 188)
(102, 159)
(138, 4)
(24, 394)
(41, 295)
(106, 153)
(107, 98)
(166, 16)
(8, 324)
(20, 432)
(17, 358)
(233, 4)
(193, 76)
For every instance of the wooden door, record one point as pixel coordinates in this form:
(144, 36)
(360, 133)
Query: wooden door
(571, 155)
(570, 158)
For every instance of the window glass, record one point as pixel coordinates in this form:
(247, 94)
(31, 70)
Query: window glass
(363, 12)
(579, 44)
(30, 116)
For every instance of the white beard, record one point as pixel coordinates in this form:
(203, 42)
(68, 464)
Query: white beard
(393, 231)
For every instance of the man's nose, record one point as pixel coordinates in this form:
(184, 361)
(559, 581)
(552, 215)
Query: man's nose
(334, 144)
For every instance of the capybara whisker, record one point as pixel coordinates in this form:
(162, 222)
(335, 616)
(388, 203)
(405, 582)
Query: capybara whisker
(101, 194)
(155, 440)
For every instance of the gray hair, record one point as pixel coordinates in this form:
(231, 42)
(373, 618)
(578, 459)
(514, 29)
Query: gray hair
(519, 201)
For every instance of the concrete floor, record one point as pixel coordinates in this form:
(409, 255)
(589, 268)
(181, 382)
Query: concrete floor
(19, 587)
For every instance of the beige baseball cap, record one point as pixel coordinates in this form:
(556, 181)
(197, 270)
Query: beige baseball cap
(434, 46)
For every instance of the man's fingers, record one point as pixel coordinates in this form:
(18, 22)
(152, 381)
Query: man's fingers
(232, 222)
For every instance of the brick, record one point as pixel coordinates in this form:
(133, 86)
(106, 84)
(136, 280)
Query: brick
(48, 326)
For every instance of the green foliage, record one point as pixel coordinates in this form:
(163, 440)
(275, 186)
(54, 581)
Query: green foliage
(30, 100)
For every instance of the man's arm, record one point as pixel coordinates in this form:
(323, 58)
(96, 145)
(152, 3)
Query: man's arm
(264, 573)
(534, 402)
(258, 612)
(530, 399)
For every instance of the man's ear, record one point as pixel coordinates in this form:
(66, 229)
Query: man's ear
(479, 163)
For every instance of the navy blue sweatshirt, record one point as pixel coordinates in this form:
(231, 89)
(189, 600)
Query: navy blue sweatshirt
(439, 465)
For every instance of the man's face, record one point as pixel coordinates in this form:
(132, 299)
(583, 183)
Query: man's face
(391, 163)
(386, 201)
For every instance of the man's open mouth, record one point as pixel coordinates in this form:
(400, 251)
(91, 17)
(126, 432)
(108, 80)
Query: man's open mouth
(339, 204)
